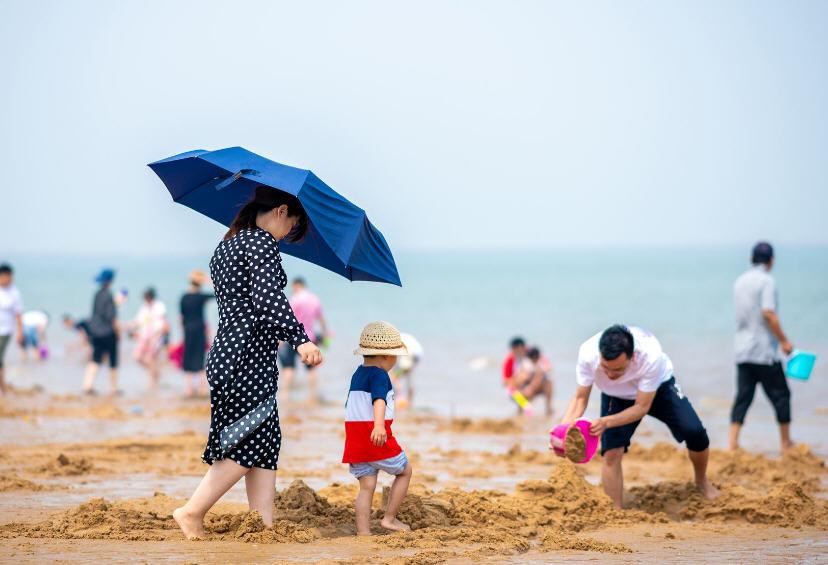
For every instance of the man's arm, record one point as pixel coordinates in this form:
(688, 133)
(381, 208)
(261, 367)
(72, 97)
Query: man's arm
(578, 404)
(643, 402)
(18, 317)
(775, 326)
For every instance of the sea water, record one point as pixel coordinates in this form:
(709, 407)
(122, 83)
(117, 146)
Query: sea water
(465, 306)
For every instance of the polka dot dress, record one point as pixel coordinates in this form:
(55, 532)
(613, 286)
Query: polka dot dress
(254, 315)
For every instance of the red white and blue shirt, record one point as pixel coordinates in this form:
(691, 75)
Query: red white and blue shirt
(368, 385)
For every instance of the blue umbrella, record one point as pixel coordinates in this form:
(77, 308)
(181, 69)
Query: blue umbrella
(340, 238)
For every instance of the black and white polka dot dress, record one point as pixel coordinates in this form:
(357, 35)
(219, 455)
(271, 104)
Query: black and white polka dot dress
(254, 315)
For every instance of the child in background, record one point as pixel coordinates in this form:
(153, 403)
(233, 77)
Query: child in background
(370, 445)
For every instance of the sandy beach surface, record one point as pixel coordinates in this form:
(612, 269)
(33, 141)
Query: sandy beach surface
(97, 478)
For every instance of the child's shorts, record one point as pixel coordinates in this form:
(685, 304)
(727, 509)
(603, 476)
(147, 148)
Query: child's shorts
(393, 466)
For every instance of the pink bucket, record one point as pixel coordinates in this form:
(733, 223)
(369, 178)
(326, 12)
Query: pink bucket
(591, 440)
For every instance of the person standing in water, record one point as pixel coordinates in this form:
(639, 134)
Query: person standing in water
(151, 324)
(11, 317)
(636, 379)
(254, 316)
(104, 333)
(308, 309)
(759, 337)
(195, 333)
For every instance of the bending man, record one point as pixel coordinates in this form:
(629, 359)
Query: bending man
(636, 379)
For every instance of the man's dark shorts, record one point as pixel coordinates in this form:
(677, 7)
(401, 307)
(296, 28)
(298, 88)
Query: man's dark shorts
(106, 346)
(670, 406)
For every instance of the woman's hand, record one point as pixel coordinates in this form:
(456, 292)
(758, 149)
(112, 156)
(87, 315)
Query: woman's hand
(379, 435)
(310, 354)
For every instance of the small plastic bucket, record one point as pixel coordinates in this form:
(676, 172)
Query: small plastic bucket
(800, 365)
(591, 440)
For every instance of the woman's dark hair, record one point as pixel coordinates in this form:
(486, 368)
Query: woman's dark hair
(534, 354)
(616, 340)
(265, 200)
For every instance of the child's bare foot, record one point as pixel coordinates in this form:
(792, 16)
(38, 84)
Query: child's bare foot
(395, 525)
(191, 526)
(707, 489)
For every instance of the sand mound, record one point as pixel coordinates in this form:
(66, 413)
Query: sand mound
(555, 540)
(786, 505)
(65, 466)
(150, 519)
(13, 482)
(301, 504)
(754, 470)
(482, 426)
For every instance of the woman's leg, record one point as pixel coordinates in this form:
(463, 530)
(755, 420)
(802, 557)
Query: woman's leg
(221, 476)
(189, 377)
(261, 490)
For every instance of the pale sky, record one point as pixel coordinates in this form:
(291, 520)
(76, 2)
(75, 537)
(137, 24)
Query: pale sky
(454, 124)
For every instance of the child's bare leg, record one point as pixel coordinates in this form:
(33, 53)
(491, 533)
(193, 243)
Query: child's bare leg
(221, 476)
(261, 490)
(367, 485)
(548, 391)
(89, 376)
(398, 491)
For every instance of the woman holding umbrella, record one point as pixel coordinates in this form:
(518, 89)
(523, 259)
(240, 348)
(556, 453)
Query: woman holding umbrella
(254, 315)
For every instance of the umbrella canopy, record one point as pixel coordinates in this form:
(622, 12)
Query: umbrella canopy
(340, 238)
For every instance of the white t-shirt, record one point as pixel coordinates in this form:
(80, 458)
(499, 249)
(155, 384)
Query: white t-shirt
(10, 306)
(649, 367)
(35, 319)
(151, 318)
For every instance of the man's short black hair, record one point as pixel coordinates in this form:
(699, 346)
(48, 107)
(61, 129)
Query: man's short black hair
(616, 340)
(6, 269)
(762, 253)
(517, 342)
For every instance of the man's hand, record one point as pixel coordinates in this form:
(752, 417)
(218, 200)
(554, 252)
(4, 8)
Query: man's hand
(787, 347)
(310, 354)
(597, 427)
(378, 436)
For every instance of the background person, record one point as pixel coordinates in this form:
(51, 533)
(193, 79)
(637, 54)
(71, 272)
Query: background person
(759, 338)
(308, 309)
(150, 326)
(195, 333)
(11, 312)
(35, 323)
(104, 333)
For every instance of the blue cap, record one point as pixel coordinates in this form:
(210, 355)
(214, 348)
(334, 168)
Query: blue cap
(762, 253)
(105, 276)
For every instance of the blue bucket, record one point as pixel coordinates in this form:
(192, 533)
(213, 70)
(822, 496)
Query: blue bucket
(800, 365)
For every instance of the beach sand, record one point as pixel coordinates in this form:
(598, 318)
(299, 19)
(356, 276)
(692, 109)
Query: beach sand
(96, 479)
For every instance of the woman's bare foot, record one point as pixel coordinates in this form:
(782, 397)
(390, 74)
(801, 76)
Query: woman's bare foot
(191, 526)
(707, 489)
(394, 525)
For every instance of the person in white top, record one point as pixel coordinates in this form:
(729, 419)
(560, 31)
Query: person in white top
(759, 339)
(150, 325)
(11, 311)
(636, 379)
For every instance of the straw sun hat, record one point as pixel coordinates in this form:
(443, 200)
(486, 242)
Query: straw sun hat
(380, 338)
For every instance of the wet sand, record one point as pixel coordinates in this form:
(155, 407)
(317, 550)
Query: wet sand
(97, 478)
